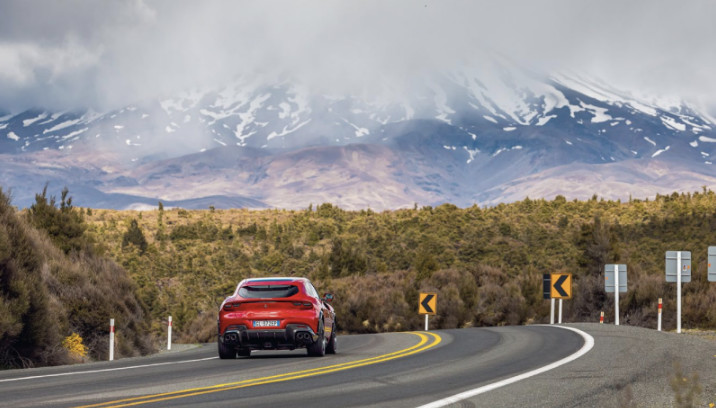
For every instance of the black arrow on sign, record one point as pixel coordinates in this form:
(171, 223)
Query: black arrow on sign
(558, 285)
(425, 302)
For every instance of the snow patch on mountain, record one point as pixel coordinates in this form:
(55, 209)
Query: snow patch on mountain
(600, 114)
(28, 122)
(287, 130)
(671, 123)
(74, 134)
(62, 125)
(660, 151)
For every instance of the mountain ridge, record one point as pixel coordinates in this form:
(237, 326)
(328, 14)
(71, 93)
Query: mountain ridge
(458, 139)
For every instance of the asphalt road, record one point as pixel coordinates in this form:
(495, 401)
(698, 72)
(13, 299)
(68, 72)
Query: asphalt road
(384, 370)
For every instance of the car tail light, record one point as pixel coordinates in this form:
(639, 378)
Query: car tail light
(231, 306)
(303, 305)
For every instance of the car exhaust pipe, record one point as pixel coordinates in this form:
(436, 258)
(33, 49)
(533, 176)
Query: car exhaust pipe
(231, 338)
(303, 338)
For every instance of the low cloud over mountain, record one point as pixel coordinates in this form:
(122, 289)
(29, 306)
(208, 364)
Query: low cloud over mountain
(457, 137)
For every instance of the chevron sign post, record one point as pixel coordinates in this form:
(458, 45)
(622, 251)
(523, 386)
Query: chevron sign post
(427, 305)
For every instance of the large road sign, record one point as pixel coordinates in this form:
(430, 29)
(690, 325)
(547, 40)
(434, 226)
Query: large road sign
(609, 277)
(427, 304)
(671, 265)
(712, 264)
(561, 286)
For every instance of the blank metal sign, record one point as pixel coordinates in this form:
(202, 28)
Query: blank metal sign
(671, 271)
(609, 277)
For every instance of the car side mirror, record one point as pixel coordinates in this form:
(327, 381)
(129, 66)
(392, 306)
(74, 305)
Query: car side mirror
(328, 297)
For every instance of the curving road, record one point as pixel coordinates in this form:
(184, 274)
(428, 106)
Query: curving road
(397, 369)
(385, 370)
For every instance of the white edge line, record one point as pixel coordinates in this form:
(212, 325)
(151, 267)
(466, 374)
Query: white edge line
(588, 344)
(104, 370)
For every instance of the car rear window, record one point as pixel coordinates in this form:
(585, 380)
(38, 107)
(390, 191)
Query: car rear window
(267, 291)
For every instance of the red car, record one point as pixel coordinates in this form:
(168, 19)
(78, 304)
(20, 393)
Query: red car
(276, 314)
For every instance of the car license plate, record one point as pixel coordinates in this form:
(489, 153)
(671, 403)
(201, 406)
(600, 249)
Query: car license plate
(266, 323)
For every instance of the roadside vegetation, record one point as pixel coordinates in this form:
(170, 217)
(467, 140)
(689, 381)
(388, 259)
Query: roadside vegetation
(486, 264)
(65, 271)
(57, 294)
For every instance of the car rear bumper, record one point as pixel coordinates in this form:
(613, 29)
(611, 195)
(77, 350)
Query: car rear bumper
(292, 337)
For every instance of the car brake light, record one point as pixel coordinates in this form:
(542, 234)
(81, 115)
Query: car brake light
(229, 306)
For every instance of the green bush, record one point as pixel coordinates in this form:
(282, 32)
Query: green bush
(53, 284)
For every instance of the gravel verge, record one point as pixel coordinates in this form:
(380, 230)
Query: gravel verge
(628, 367)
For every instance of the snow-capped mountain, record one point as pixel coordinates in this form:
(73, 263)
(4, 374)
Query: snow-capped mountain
(470, 136)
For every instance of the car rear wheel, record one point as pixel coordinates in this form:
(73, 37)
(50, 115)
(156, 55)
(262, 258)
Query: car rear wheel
(332, 345)
(318, 348)
(226, 352)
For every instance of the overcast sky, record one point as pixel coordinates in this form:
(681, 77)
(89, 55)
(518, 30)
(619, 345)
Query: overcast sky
(72, 54)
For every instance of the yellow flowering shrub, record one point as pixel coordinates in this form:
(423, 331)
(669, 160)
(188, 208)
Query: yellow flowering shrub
(73, 344)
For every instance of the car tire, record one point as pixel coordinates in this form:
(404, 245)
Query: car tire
(318, 348)
(226, 352)
(244, 352)
(332, 345)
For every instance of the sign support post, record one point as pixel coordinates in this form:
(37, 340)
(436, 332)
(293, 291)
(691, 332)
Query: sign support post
(111, 339)
(169, 334)
(551, 311)
(560, 312)
(616, 296)
(658, 324)
(678, 292)
(426, 322)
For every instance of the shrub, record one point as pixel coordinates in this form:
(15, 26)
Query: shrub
(73, 344)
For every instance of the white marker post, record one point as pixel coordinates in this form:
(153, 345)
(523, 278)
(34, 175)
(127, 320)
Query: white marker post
(551, 311)
(601, 318)
(658, 325)
(426, 322)
(616, 295)
(111, 339)
(560, 311)
(678, 292)
(169, 334)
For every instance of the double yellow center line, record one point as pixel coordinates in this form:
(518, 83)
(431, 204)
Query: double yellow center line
(427, 340)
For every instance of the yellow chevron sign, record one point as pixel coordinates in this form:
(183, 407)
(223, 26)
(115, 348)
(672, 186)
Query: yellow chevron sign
(428, 303)
(561, 287)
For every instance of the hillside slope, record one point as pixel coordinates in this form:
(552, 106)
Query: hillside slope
(486, 264)
(48, 294)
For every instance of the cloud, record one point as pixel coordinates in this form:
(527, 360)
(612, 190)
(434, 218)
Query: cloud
(76, 53)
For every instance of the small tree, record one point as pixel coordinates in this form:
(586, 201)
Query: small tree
(135, 236)
(65, 225)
